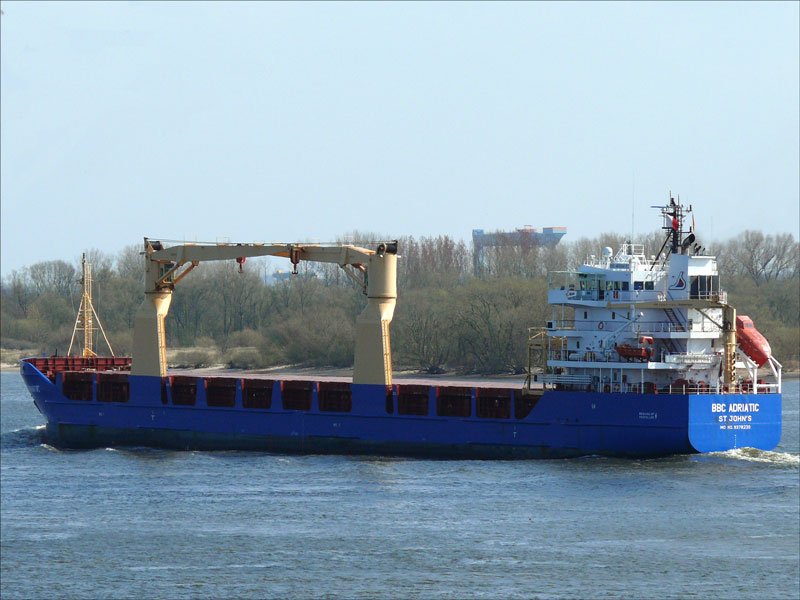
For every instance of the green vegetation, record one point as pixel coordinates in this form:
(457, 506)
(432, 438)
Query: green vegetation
(446, 319)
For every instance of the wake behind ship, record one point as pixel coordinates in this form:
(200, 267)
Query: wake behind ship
(642, 357)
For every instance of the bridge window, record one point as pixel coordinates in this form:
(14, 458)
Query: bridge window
(703, 286)
(648, 285)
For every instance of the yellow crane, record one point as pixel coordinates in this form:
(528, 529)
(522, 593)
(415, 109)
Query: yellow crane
(375, 270)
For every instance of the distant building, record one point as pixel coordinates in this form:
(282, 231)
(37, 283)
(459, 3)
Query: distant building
(527, 237)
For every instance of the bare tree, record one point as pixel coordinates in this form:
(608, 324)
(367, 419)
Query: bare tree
(786, 256)
(423, 329)
(18, 291)
(765, 257)
(130, 264)
(54, 276)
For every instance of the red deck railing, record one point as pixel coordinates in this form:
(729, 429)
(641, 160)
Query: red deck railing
(50, 365)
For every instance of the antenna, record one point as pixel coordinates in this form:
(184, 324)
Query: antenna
(633, 202)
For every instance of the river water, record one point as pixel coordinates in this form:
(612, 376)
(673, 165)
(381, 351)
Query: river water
(142, 523)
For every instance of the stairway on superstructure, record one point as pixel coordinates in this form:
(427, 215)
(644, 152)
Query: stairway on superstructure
(675, 325)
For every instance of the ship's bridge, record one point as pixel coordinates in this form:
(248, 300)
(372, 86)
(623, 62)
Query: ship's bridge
(593, 284)
(630, 276)
(629, 257)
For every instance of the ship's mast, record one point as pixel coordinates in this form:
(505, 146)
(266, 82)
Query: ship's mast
(87, 315)
(86, 309)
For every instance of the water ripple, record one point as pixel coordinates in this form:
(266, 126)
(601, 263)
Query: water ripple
(26, 437)
(763, 456)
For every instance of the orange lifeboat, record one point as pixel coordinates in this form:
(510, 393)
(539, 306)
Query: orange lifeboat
(641, 353)
(751, 341)
(631, 353)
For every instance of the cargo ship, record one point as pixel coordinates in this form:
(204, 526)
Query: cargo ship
(642, 357)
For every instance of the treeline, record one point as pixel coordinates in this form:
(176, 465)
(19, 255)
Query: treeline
(446, 317)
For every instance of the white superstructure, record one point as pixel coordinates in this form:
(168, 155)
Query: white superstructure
(625, 322)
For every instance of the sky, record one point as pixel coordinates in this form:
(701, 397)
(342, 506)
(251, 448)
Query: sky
(250, 122)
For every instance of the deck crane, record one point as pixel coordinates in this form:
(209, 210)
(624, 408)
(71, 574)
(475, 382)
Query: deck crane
(375, 270)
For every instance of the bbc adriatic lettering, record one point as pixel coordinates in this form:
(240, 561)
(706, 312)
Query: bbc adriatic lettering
(735, 407)
(743, 407)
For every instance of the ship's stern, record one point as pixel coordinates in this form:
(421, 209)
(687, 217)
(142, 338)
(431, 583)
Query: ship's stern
(720, 422)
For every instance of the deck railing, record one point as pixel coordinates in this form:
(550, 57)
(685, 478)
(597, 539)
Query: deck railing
(579, 383)
(642, 327)
(58, 364)
(565, 294)
(609, 355)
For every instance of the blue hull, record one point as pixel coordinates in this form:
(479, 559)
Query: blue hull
(555, 425)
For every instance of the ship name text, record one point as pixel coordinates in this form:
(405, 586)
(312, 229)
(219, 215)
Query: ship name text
(735, 407)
